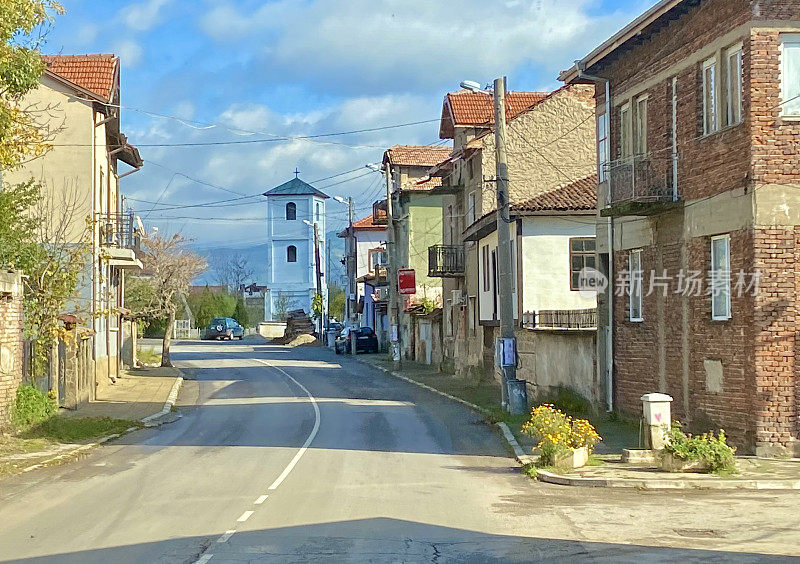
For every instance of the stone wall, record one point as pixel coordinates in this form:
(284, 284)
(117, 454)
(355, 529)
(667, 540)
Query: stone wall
(10, 340)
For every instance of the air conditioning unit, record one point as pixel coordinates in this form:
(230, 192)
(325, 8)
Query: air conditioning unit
(459, 298)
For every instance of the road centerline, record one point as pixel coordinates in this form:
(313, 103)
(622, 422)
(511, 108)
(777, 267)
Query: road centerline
(289, 467)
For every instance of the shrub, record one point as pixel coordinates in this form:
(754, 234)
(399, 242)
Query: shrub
(711, 449)
(31, 407)
(558, 433)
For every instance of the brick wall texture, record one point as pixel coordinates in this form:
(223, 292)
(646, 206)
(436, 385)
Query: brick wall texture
(10, 341)
(758, 403)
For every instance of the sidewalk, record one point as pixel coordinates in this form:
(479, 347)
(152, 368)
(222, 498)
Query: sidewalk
(753, 474)
(136, 394)
(609, 471)
(137, 398)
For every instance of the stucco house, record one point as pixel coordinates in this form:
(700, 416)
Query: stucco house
(295, 209)
(700, 214)
(82, 173)
(371, 295)
(418, 225)
(551, 157)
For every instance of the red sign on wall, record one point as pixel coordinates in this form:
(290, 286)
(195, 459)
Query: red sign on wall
(407, 281)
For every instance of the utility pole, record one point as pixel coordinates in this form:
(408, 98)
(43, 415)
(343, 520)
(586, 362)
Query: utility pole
(319, 280)
(351, 272)
(391, 272)
(514, 394)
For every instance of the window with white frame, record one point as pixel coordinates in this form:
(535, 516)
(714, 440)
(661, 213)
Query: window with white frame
(640, 126)
(720, 278)
(710, 122)
(635, 285)
(625, 131)
(733, 85)
(602, 146)
(471, 208)
(790, 74)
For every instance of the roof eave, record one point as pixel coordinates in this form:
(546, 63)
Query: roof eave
(634, 28)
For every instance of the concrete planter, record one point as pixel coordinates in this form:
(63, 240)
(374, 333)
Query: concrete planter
(575, 458)
(671, 463)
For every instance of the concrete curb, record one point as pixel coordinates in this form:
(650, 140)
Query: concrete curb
(151, 420)
(684, 484)
(519, 453)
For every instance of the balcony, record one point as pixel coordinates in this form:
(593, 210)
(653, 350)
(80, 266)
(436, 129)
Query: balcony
(379, 216)
(642, 185)
(446, 261)
(575, 319)
(119, 230)
(119, 238)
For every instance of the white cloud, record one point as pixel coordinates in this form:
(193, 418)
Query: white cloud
(129, 52)
(143, 16)
(86, 33)
(405, 45)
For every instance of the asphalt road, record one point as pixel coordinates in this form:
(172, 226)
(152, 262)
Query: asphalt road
(297, 455)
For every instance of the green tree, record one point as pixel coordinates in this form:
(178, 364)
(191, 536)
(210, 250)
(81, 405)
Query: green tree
(207, 305)
(24, 131)
(336, 302)
(240, 313)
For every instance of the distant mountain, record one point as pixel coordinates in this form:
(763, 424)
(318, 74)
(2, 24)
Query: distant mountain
(255, 255)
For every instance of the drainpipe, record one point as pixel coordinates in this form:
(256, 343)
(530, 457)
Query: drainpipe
(579, 65)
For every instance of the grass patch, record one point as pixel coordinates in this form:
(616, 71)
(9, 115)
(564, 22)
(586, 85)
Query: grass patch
(147, 355)
(595, 461)
(77, 429)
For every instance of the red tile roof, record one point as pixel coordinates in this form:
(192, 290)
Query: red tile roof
(367, 223)
(469, 108)
(95, 73)
(423, 184)
(574, 196)
(416, 155)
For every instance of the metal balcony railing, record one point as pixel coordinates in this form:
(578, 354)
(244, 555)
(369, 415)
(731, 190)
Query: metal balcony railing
(643, 178)
(560, 319)
(446, 261)
(119, 230)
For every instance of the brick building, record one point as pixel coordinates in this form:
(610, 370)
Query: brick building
(699, 176)
(10, 340)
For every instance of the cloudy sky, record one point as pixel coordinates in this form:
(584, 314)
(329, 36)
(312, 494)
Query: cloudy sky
(246, 74)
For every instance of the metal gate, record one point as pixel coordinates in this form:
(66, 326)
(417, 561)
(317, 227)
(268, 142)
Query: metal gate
(183, 329)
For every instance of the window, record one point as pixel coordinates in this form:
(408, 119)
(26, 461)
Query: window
(291, 211)
(471, 167)
(473, 314)
(602, 147)
(377, 258)
(790, 74)
(319, 212)
(471, 208)
(485, 257)
(635, 285)
(721, 278)
(733, 85)
(709, 96)
(451, 224)
(640, 126)
(291, 253)
(625, 131)
(581, 255)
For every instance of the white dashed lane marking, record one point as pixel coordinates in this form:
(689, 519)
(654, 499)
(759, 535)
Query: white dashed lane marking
(226, 537)
(245, 516)
(261, 499)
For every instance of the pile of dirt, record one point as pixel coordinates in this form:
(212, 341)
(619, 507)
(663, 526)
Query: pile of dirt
(299, 329)
(304, 340)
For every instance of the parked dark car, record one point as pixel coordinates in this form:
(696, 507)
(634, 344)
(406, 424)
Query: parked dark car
(366, 340)
(224, 328)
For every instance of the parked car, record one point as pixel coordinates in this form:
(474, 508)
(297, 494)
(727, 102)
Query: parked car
(224, 328)
(366, 340)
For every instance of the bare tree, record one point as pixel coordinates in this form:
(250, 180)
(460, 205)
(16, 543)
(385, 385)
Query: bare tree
(170, 266)
(232, 271)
